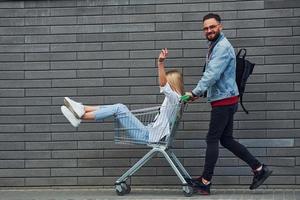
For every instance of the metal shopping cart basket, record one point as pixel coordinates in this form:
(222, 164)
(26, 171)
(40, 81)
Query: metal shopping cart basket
(159, 144)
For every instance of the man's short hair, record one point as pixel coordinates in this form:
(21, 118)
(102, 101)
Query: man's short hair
(212, 15)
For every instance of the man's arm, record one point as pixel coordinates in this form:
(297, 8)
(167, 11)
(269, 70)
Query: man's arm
(214, 69)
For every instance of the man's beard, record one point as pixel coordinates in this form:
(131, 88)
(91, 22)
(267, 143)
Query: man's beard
(215, 38)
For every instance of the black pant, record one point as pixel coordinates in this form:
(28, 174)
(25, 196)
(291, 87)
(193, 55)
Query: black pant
(220, 129)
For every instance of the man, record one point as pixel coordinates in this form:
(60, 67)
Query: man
(219, 86)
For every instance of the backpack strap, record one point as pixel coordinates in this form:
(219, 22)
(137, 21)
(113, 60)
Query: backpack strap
(244, 54)
(241, 102)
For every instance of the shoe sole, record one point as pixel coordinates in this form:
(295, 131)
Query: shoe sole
(261, 181)
(195, 188)
(68, 115)
(68, 105)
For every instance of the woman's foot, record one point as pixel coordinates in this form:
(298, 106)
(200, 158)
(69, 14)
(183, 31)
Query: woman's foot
(76, 108)
(70, 116)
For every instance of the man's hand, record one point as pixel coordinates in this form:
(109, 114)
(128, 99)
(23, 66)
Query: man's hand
(192, 97)
(163, 55)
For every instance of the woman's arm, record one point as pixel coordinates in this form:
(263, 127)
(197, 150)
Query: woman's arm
(161, 67)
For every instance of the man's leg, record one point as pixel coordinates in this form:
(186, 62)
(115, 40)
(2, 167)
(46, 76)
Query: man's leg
(218, 121)
(261, 172)
(235, 147)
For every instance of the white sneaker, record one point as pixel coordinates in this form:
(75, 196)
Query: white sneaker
(70, 116)
(76, 108)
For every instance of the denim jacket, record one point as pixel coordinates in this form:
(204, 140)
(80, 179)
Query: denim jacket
(219, 76)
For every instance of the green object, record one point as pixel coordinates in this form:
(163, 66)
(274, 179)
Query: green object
(185, 98)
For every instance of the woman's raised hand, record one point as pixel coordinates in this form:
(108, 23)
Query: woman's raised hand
(163, 55)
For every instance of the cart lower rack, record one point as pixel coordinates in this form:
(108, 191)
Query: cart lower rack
(157, 139)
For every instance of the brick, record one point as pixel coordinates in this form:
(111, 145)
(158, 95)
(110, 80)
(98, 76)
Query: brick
(270, 87)
(49, 56)
(182, 7)
(51, 181)
(12, 110)
(128, 27)
(25, 119)
(24, 30)
(281, 4)
(25, 101)
(137, 9)
(12, 182)
(24, 66)
(76, 65)
(8, 57)
(50, 145)
(12, 92)
(12, 22)
(38, 4)
(50, 38)
(273, 69)
(49, 21)
(264, 32)
(128, 63)
(155, 35)
(76, 11)
(266, 13)
(266, 124)
(127, 45)
(281, 22)
(76, 47)
(102, 3)
(267, 142)
(291, 40)
(177, 26)
(14, 164)
(100, 37)
(25, 155)
(104, 55)
(154, 1)
(198, 16)
(5, 146)
(11, 4)
(76, 29)
(282, 59)
(237, 5)
(104, 163)
(283, 77)
(23, 137)
(71, 172)
(77, 82)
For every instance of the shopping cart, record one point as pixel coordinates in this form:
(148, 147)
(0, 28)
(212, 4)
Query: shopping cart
(161, 143)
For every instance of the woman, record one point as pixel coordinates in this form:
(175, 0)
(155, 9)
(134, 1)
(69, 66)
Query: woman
(171, 85)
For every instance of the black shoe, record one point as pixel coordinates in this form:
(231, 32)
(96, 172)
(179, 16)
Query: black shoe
(260, 176)
(199, 186)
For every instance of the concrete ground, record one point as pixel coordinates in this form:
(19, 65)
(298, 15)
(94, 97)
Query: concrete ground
(143, 194)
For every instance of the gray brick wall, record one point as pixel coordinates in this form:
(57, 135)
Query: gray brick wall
(103, 52)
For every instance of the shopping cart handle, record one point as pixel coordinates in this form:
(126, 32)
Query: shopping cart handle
(185, 98)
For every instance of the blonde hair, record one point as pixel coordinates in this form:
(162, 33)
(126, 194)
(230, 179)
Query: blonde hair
(175, 80)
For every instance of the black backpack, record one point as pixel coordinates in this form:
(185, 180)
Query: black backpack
(243, 70)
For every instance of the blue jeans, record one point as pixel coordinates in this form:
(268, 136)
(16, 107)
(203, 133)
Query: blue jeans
(134, 128)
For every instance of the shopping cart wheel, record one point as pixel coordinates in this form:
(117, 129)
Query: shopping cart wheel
(119, 190)
(126, 188)
(188, 191)
(122, 188)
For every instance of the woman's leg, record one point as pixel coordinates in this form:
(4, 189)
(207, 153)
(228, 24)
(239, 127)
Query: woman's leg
(133, 127)
(89, 112)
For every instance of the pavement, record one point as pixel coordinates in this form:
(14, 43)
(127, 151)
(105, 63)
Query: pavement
(144, 194)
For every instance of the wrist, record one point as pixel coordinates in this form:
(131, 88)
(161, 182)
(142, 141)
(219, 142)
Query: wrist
(161, 60)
